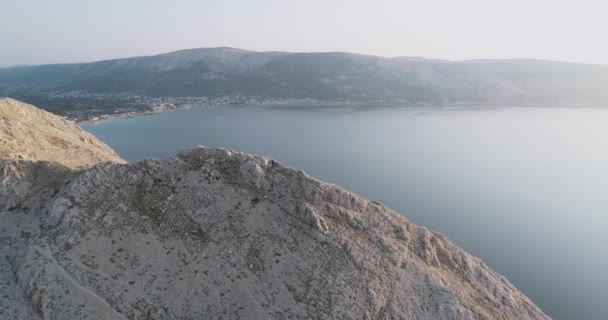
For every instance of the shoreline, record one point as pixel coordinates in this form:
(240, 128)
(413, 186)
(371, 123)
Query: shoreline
(334, 104)
(102, 118)
(128, 115)
(317, 104)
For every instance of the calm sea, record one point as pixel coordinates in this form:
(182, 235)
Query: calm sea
(525, 189)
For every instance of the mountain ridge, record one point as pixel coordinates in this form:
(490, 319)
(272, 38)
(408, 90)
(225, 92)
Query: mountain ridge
(327, 76)
(422, 58)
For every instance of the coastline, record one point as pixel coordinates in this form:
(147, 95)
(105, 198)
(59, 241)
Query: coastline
(128, 115)
(303, 102)
(279, 103)
(319, 104)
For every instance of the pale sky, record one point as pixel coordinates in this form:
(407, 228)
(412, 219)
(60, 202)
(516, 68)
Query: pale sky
(52, 31)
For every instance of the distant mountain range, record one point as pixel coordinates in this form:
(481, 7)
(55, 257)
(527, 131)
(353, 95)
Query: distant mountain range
(331, 76)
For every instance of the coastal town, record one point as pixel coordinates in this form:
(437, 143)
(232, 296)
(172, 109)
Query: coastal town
(127, 105)
(86, 106)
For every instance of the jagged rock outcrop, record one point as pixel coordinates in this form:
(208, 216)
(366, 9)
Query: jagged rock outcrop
(216, 234)
(29, 133)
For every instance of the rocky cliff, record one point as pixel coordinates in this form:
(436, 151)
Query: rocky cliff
(216, 234)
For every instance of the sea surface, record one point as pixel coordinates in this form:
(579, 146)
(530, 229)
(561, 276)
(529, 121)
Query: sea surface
(525, 189)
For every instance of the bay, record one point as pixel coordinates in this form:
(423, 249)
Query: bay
(525, 189)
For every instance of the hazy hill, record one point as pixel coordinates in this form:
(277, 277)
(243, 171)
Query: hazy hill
(332, 76)
(217, 234)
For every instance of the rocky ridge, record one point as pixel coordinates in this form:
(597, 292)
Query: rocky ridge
(29, 133)
(217, 234)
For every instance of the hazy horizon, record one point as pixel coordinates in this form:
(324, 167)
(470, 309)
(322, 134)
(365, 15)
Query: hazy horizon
(70, 31)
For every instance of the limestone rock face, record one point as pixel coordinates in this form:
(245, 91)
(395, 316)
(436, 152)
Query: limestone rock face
(29, 133)
(214, 234)
(217, 234)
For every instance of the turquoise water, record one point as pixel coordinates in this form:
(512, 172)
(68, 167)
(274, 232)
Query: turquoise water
(525, 189)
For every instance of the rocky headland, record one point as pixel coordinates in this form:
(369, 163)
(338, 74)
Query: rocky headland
(213, 234)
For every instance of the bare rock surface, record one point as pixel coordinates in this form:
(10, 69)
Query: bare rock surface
(216, 234)
(29, 133)
(212, 233)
